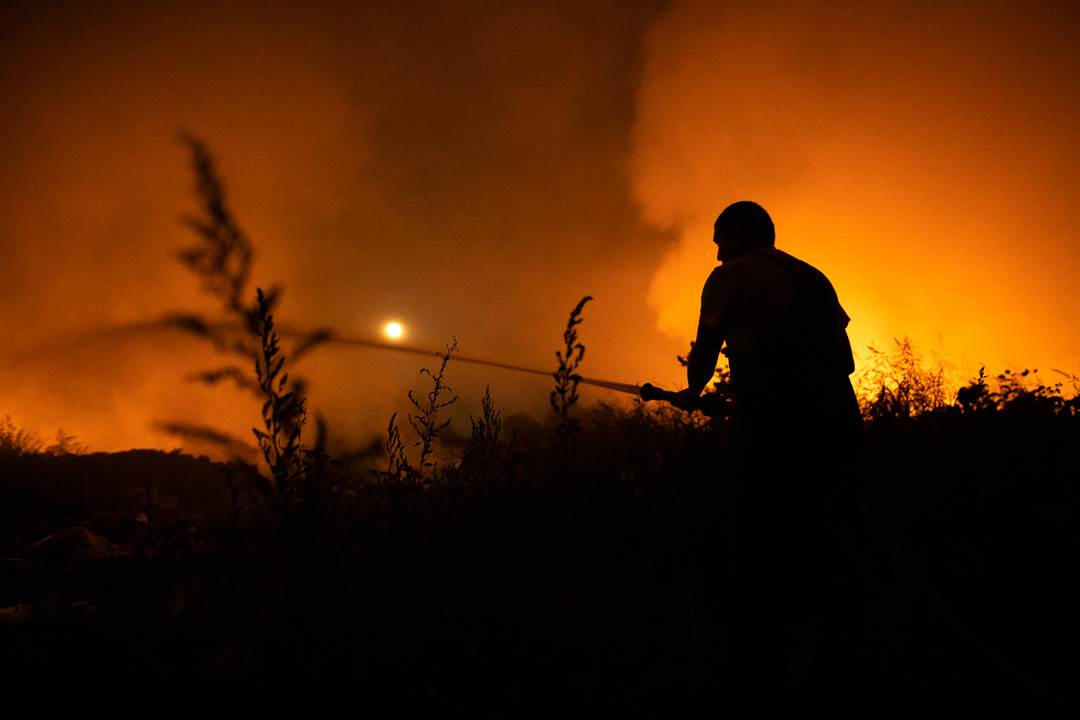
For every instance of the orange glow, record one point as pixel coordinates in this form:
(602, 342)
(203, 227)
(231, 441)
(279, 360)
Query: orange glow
(478, 168)
(918, 162)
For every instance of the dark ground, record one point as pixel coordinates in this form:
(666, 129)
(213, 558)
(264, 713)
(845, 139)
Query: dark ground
(599, 578)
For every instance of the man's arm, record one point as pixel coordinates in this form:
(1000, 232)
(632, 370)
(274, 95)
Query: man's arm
(701, 364)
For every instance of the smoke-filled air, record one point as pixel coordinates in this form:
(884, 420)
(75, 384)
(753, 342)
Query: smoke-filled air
(472, 169)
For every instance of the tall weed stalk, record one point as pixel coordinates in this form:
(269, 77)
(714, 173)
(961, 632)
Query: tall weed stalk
(425, 423)
(565, 393)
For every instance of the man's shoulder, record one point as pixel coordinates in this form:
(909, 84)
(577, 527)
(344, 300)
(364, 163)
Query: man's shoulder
(817, 283)
(791, 263)
(718, 274)
(764, 264)
(787, 259)
(717, 285)
(768, 266)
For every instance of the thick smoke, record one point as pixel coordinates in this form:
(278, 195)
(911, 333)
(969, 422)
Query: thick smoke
(459, 166)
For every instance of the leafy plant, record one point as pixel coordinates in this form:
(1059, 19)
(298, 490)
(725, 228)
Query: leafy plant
(65, 445)
(304, 481)
(283, 413)
(899, 384)
(976, 395)
(17, 441)
(1024, 393)
(427, 426)
(565, 394)
(425, 422)
(221, 257)
(486, 455)
(398, 469)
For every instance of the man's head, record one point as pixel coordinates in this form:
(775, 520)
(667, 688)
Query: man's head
(742, 227)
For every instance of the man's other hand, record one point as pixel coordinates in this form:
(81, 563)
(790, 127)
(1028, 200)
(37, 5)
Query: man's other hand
(686, 400)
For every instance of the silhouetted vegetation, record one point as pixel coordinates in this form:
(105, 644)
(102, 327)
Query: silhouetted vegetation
(565, 394)
(512, 570)
(221, 257)
(17, 441)
(899, 384)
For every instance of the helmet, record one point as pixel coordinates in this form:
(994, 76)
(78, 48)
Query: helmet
(742, 227)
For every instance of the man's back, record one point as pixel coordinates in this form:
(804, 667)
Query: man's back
(767, 297)
(787, 345)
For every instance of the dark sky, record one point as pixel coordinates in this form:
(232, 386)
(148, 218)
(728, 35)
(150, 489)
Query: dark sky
(473, 169)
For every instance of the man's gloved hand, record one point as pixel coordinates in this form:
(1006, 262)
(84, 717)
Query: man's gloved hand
(686, 400)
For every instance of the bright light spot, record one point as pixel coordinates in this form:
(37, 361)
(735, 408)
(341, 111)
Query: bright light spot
(394, 330)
